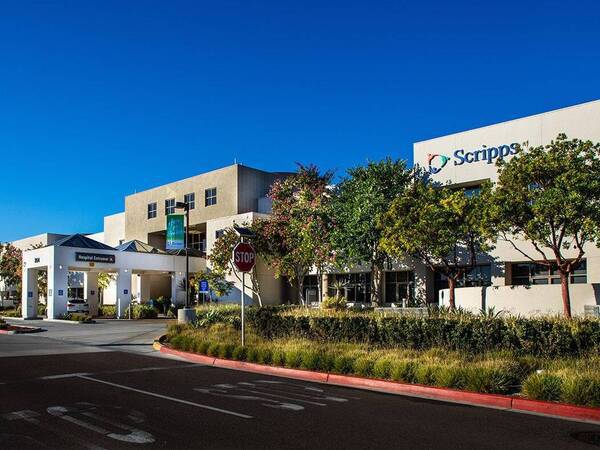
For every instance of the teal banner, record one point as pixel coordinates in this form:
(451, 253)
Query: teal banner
(175, 232)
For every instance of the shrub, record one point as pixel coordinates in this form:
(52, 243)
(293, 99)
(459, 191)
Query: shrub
(426, 374)
(293, 358)
(278, 357)
(403, 371)
(213, 349)
(543, 386)
(41, 309)
(334, 303)
(451, 377)
(239, 353)
(201, 346)
(107, 311)
(143, 311)
(582, 389)
(311, 360)
(343, 364)
(363, 366)
(382, 368)
(265, 356)
(489, 380)
(252, 355)
(226, 350)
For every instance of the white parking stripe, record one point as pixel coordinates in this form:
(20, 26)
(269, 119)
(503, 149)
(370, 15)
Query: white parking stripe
(165, 397)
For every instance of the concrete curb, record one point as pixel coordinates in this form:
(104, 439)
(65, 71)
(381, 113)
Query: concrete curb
(504, 402)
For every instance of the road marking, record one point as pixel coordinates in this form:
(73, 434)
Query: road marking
(64, 375)
(27, 415)
(165, 397)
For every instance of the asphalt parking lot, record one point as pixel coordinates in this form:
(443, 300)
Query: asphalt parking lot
(116, 399)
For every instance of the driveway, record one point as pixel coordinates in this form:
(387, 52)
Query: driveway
(105, 335)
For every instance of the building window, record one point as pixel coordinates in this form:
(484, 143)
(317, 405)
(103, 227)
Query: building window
(75, 293)
(151, 210)
(400, 287)
(190, 199)
(198, 241)
(529, 273)
(210, 196)
(477, 276)
(311, 289)
(219, 233)
(170, 206)
(354, 287)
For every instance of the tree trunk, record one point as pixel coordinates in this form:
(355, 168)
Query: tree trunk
(566, 296)
(301, 289)
(375, 284)
(452, 287)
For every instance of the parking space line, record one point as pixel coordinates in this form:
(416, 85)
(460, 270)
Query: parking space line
(165, 397)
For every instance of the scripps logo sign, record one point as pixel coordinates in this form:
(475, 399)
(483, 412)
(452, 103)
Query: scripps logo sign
(436, 162)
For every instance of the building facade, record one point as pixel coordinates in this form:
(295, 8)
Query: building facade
(504, 278)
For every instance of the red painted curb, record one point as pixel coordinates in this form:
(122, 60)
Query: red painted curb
(435, 393)
(557, 409)
(560, 410)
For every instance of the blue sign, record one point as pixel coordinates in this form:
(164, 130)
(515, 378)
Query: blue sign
(204, 286)
(437, 162)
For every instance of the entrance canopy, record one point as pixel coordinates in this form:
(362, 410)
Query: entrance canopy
(79, 253)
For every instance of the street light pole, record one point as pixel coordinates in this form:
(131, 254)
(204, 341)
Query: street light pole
(188, 314)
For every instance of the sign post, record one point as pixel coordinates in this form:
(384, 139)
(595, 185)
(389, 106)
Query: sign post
(244, 259)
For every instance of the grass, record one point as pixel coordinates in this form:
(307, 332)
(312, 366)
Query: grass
(571, 380)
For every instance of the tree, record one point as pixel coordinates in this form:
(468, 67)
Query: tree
(217, 282)
(104, 281)
(11, 267)
(549, 197)
(221, 259)
(295, 237)
(359, 202)
(439, 226)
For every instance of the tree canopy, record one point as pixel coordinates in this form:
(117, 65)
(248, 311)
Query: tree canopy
(437, 225)
(360, 200)
(11, 263)
(549, 197)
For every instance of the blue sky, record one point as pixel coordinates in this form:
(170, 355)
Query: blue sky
(100, 99)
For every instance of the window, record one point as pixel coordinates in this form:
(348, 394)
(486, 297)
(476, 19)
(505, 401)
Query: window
(400, 287)
(311, 288)
(151, 210)
(198, 241)
(477, 276)
(169, 206)
(526, 274)
(219, 233)
(354, 287)
(75, 292)
(210, 196)
(190, 199)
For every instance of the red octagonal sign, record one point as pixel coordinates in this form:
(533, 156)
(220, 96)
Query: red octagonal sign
(244, 257)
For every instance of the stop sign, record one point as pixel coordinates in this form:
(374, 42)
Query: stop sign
(244, 257)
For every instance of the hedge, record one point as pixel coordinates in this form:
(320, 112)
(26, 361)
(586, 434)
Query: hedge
(475, 334)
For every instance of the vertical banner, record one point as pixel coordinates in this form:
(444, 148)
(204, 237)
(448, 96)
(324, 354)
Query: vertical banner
(175, 232)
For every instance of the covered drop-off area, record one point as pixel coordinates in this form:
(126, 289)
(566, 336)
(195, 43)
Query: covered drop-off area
(141, 272)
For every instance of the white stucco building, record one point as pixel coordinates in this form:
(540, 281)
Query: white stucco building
(508, 281)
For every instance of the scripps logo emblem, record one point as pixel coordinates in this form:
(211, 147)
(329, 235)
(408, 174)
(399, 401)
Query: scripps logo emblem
(436, 162)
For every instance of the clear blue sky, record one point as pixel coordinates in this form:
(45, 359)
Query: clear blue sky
(99, 99)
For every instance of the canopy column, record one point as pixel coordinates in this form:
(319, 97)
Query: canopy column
(90, 283)
(123, 291)
(29, 294)
(57, 291)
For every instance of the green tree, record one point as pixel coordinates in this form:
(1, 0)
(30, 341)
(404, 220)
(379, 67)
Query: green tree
(437, 225)
(11, 267)
(104, 280)
(295, 237)
(360, 200)
(217, 282)
(546, 205)
(221, 261)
